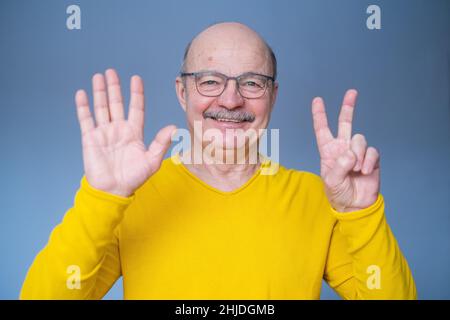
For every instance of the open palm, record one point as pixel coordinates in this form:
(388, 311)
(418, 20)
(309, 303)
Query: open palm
(116, 160)
(350, 170)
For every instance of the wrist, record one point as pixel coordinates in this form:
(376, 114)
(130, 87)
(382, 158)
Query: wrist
(120, 196)
(119, 192)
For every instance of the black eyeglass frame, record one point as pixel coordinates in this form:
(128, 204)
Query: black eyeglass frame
(196, 74)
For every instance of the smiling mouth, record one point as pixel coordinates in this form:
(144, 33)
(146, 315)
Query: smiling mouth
(225, 119)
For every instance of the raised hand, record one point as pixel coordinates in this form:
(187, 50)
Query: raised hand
(116, 160)
(349, 169)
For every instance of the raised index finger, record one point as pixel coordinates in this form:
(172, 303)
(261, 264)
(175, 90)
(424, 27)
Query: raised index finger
(323, 133)
(346, 115)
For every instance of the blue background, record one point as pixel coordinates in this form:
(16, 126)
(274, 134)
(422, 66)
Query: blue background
(323, 48)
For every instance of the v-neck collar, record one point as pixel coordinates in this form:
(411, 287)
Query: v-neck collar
(178, 163)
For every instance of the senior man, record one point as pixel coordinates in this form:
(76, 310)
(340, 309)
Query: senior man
(181, 229)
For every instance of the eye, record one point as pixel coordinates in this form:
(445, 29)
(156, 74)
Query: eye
(253, 84)
(209, 82)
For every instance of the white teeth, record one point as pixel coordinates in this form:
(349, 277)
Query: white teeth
(228, 120)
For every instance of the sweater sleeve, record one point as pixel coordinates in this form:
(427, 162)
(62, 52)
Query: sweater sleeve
(364, 260)
(81, 259)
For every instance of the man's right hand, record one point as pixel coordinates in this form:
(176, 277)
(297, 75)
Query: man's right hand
(115, 157)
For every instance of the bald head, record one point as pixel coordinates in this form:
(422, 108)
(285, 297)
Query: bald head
(232, 42)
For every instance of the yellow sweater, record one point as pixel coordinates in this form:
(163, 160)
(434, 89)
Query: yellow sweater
(276, 237)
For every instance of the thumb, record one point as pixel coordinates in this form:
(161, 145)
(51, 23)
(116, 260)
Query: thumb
(343, 165)
(160, 144)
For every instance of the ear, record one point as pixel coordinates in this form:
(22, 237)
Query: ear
(274, 95)
(181, 92)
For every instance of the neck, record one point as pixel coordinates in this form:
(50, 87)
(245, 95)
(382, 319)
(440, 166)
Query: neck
(222, 175)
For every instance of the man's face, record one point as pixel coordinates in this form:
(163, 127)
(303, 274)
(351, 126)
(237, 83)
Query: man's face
(231, 52)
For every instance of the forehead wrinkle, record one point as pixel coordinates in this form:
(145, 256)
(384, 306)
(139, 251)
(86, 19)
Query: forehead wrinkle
(226, 58)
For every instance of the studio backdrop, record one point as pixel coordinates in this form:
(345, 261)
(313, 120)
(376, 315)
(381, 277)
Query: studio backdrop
(395, 53)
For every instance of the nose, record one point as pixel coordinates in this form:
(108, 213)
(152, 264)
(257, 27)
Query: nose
(230, 97)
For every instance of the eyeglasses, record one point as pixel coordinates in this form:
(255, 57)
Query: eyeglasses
(212, 84)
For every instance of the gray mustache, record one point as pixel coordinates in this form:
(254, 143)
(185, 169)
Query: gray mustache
(229, 115)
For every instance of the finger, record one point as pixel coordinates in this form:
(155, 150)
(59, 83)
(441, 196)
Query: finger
(114, 96)
(160, 144)
(321, 129)
(359, 146)
(137, 103)
(371, 161)
(343, 165)
(100, 99)
(84, 114)
(346, 115)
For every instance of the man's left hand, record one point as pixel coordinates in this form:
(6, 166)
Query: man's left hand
(349, 168)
